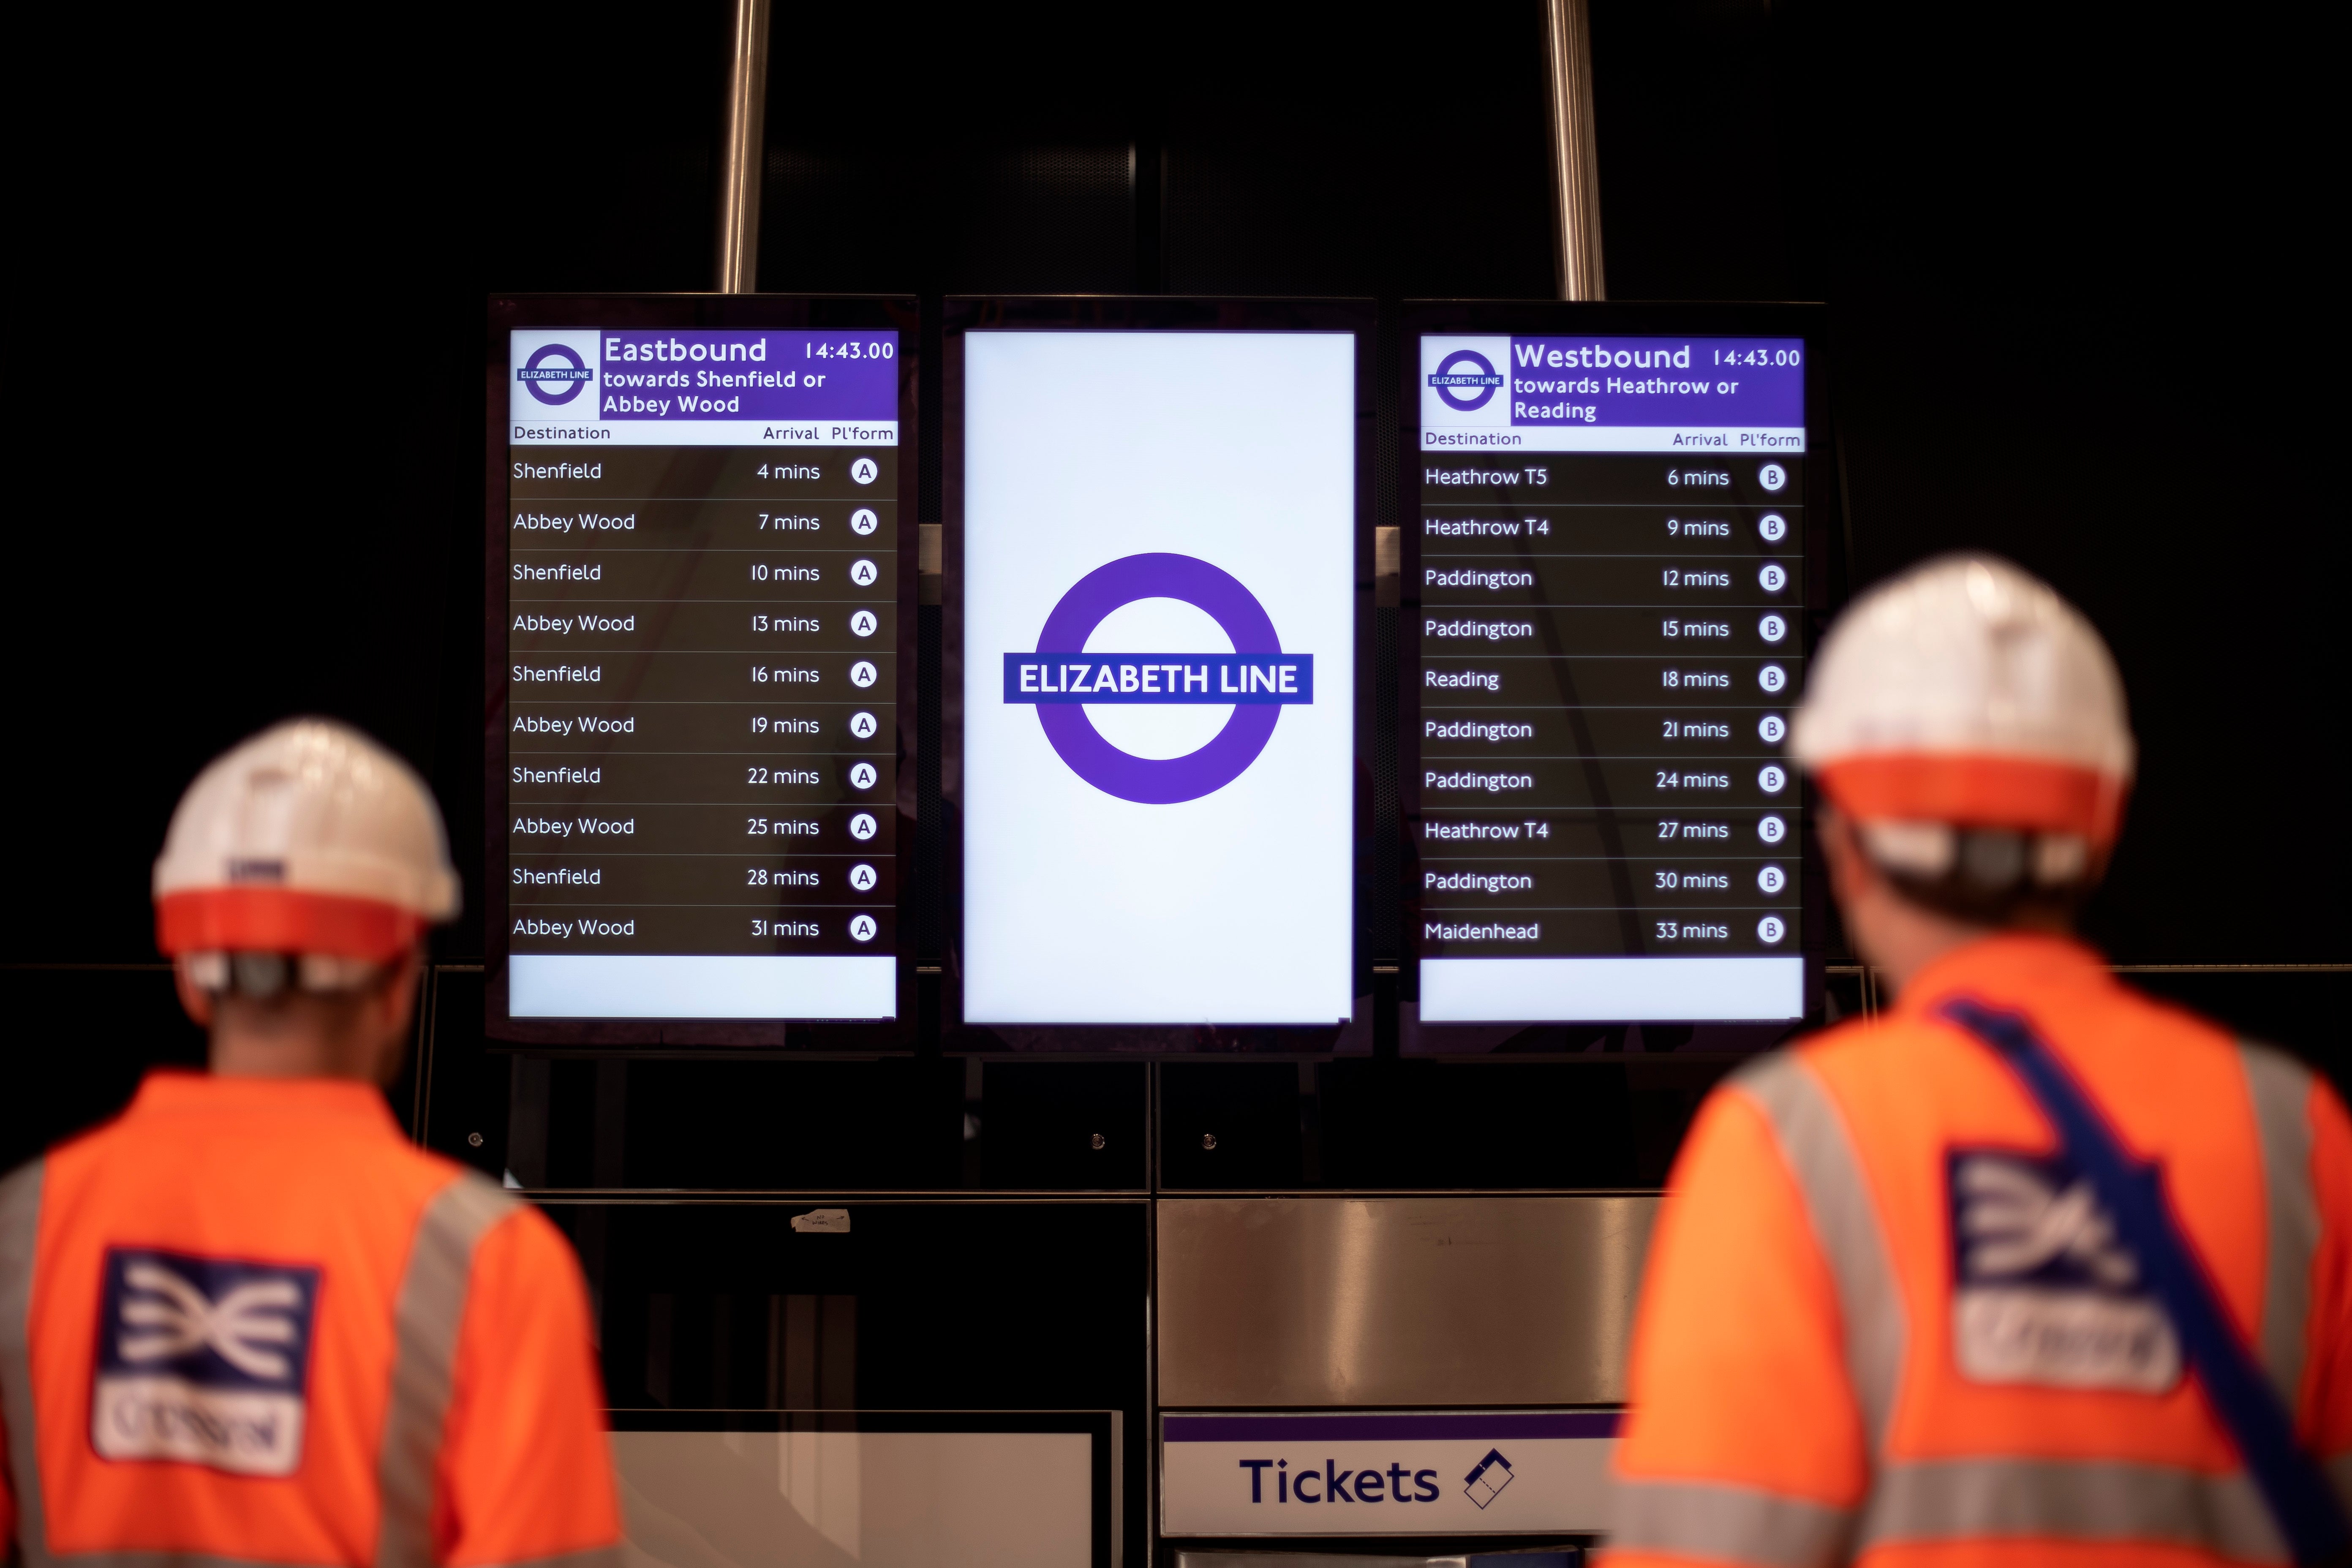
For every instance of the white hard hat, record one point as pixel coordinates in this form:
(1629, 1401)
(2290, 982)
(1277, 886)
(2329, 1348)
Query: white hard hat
(1966, 693)
(308, 838)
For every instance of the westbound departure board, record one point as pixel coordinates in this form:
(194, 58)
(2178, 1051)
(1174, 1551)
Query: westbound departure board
(701, 625)
(1609, 555)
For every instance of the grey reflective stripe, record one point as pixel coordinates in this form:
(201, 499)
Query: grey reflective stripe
(2281, 1089)
(1813, 1140)
(20, 1234)
(2071, 1499)
(1725, 1523)
(426, 1321)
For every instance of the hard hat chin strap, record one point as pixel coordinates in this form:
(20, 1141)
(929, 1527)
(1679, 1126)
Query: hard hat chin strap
(1986, 876)
(1992, 857)
(264, 976)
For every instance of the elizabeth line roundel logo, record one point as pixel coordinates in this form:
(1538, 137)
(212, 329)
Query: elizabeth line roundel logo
(1258, 680)
(1466, 369)
(537, 375)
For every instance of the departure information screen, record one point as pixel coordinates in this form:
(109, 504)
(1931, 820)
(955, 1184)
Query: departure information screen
(702, 648)
(1610, 579)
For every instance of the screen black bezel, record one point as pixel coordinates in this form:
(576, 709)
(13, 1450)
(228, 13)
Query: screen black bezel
(777, 313)
(964, 315)
(1825, 580)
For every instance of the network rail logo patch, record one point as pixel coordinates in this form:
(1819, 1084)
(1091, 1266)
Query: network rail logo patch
(202, 1360)
(1466, 381)
(1258, 680)
(2045, 1291)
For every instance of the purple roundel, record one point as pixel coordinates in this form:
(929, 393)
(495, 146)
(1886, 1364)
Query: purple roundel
(1156, 781)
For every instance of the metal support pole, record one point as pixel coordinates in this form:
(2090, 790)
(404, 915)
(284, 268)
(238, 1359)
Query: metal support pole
(1575, 159)
(745, 155)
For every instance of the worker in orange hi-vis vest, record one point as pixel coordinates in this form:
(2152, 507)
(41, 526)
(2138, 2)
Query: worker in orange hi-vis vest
(248, 1322)
(2033, 1269)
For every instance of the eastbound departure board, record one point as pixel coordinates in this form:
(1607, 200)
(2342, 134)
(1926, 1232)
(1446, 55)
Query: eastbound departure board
(1610, 560)
(700, 632)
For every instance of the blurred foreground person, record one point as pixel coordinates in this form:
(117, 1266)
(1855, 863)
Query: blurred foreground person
(2033, 1269)
(247, 1321)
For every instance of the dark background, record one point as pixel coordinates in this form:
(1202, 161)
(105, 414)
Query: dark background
(2073, 263)
(2080, 297)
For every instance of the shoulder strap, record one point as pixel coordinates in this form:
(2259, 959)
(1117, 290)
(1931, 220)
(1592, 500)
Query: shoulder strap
(2291, 1482)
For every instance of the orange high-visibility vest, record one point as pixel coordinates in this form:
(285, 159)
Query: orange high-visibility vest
(1886, 1321)
(248, 1321)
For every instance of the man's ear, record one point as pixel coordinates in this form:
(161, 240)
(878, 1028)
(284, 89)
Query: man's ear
(393, 1006)
(194, 1000)
(1849, 868)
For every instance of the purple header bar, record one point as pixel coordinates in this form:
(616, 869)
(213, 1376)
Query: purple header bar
(708, 374)
(1396, 1428)
(1757, 383)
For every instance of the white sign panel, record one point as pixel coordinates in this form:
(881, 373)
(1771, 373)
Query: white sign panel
(880, 1500)
(1377, 1473)
(1158, 676)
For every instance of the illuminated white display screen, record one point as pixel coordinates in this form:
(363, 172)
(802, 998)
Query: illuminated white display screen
(1159, 697)
(1611, 584)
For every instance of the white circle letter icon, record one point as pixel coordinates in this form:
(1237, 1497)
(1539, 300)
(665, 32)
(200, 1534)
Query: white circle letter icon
(1773, 729)
(1771, 628)
(1769, 929)
(1771, 476)
(862, 877)
(862, 827)
(862, 928)
(863, 726)
(862, 673)
(865, 473)
(1773, 677)
(1771, 829)
(862, 775)
(1772, 781)
(863, 521)
(862, 623)
(1771, 525)
(1772, 579)
(1772, 878)
(864, 572)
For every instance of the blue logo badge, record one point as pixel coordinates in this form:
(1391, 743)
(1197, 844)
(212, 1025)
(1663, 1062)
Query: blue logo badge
(1465, 368)
(2044, 1291)
(538, 376)
(202, 1360)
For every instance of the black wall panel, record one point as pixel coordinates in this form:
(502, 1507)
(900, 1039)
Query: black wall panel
(2079, 288)
(2075, 272)
(2074, 266)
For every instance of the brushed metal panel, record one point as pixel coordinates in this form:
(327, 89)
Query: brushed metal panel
(1384, 1302)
